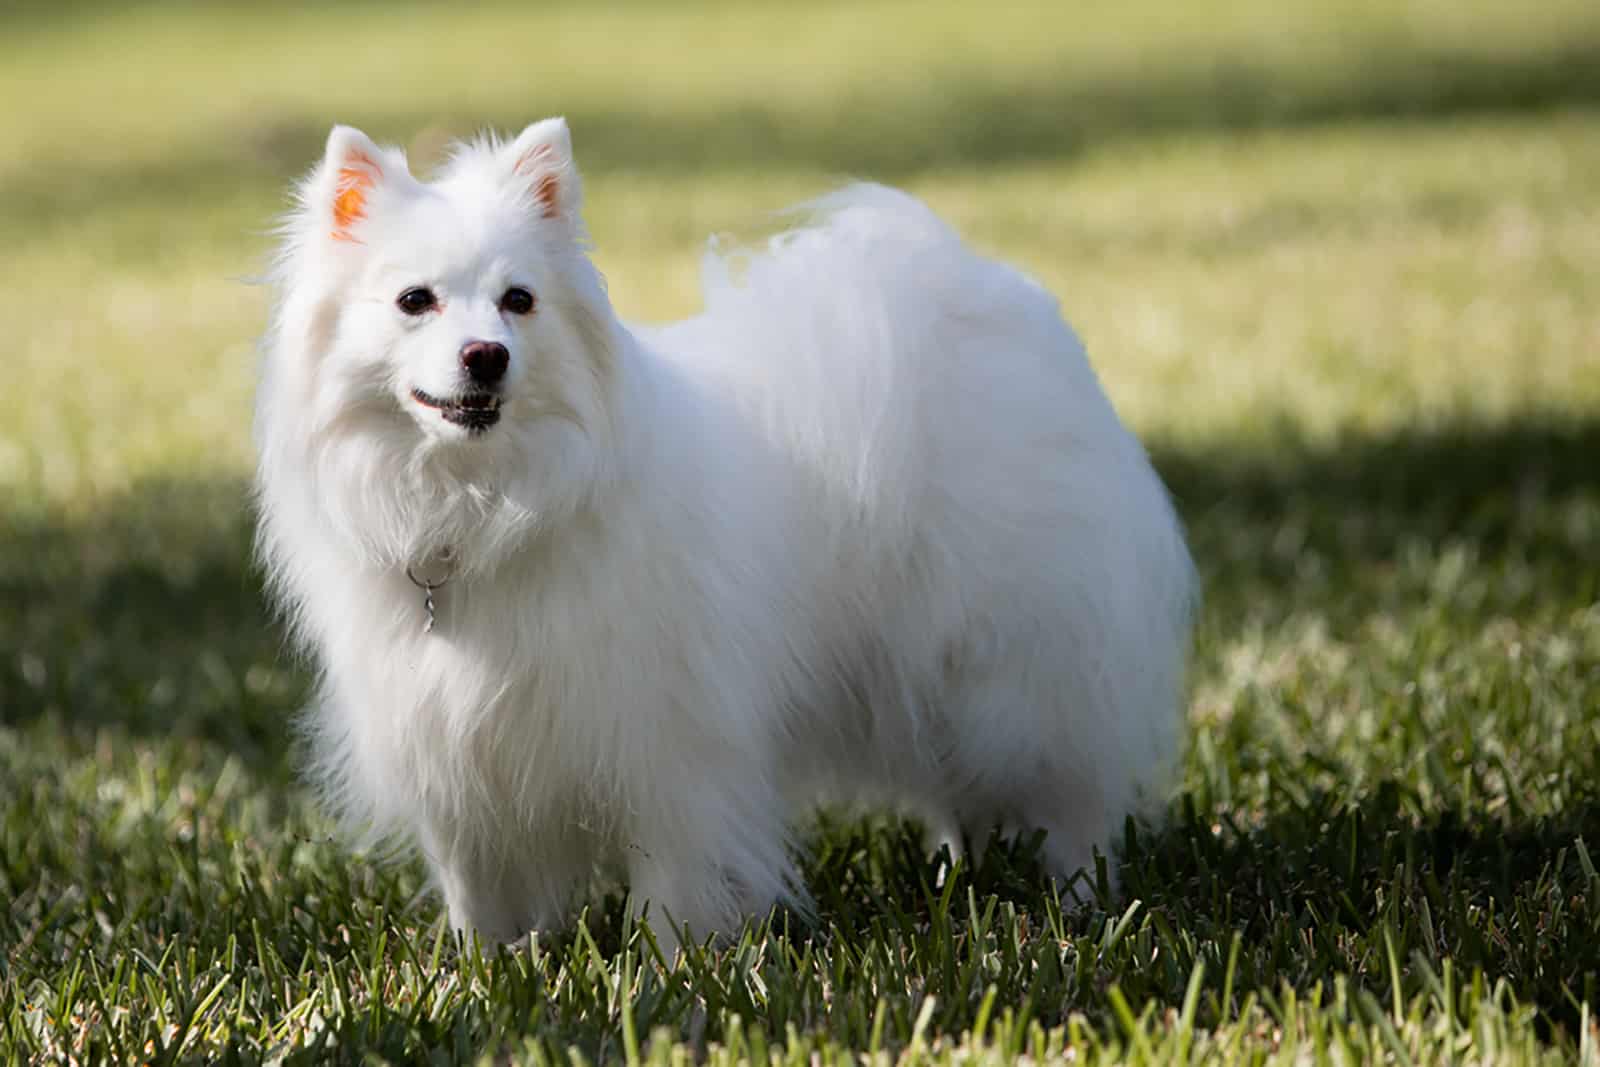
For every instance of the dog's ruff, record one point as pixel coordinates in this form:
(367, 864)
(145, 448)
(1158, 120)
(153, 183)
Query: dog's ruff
(865, 530)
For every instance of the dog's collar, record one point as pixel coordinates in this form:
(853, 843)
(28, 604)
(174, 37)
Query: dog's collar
(429, 575)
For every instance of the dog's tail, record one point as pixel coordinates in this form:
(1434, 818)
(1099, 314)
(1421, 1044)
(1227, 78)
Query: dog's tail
(867, 305)
(877, 264)
(861, 226)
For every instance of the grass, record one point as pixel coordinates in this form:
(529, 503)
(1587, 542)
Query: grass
(1338, 265)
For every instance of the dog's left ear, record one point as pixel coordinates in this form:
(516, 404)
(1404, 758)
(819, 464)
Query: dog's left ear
(541, 157)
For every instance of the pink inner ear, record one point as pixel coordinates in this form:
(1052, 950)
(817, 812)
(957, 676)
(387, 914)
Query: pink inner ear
(350, 202)
(547, 189)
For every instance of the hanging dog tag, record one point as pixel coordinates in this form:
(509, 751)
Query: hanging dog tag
(429, 585)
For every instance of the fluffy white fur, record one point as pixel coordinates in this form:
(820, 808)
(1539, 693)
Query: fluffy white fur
(867, 529)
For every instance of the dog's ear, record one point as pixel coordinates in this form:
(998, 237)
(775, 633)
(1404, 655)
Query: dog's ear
(541, 158)
(353, 168)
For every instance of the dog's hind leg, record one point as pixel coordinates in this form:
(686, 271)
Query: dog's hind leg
(1010, 773)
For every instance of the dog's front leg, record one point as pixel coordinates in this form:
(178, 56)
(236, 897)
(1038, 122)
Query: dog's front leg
(492, 896)
(483, 898)
(709, 866)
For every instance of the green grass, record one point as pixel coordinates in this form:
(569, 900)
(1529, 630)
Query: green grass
(1338, 264)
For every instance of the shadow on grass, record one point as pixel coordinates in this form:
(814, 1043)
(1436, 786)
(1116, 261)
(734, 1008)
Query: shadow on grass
(1320, 888)
(1360, 526)
(964, 118)
(146, 611)
(145, 614)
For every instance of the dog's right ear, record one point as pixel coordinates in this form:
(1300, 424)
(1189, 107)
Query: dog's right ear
(353, 169)
(541, 160)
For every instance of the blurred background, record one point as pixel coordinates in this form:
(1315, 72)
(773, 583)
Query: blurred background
(1338, 263)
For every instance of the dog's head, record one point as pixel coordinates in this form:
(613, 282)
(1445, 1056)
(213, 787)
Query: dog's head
(456, 296)
(440, 341)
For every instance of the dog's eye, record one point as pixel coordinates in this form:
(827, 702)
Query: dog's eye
(416, 300)
(516, 301)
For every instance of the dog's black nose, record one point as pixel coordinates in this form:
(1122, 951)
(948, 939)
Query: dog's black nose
(485, 361)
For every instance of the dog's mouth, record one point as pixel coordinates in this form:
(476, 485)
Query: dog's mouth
(474, 411)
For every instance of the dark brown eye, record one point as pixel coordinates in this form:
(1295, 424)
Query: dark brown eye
(416, 300)
(516, 301)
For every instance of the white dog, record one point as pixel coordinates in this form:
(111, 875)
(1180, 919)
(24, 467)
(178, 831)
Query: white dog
(589, 597)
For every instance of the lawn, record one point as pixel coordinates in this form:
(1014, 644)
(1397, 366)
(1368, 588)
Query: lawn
(1338, 264)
